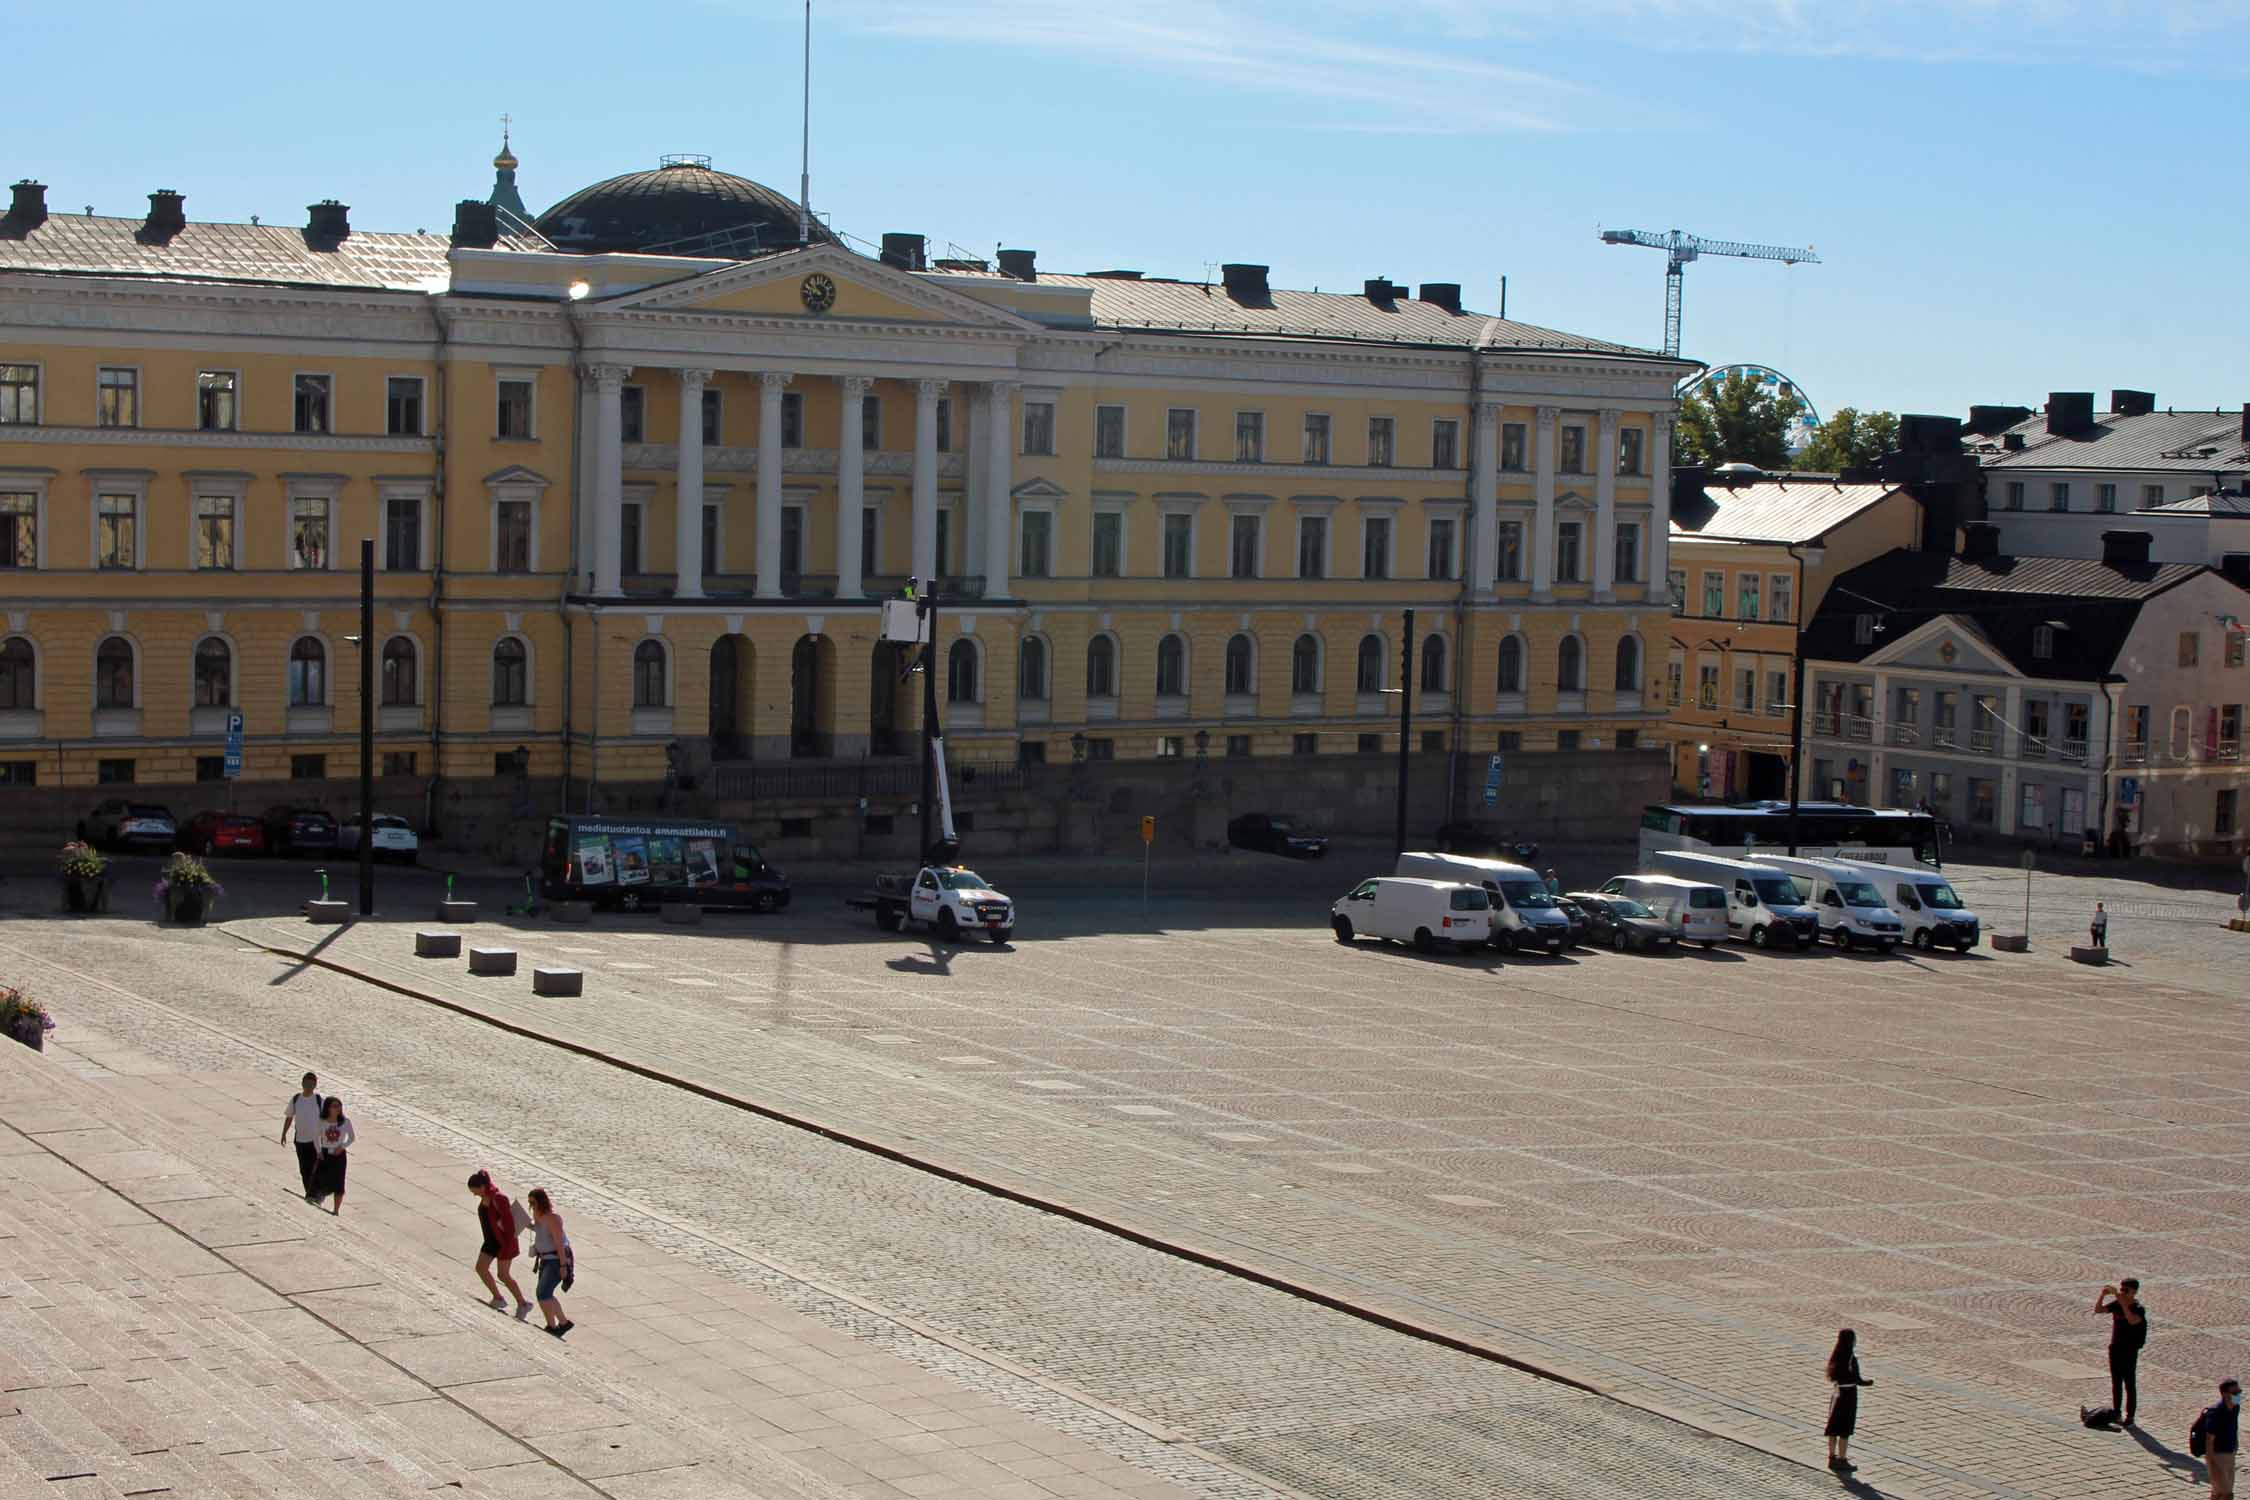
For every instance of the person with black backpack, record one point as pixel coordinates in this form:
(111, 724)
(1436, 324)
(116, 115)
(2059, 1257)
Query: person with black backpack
(503, 1239)
(2215, 1436)
(2128, 1332)
(302, 1117)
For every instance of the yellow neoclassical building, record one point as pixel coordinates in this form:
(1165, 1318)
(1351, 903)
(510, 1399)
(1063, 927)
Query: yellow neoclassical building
(638, 473)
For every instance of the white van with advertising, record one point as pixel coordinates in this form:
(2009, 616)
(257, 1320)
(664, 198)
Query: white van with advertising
(1430, 914)
(1852, 910)
(1523, 914)
(1763, 907)
(1925, 903)
(1695, 909)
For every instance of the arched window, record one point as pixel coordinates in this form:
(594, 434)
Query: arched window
(1171, 667)
(113, 673)
(19, 674)
(648, 675)
(1629, 664)
(1570, 666)
(1372, 650)
(961, 672)
(214, 673)
(1241, 666)
(1511, 664)
(1304, 664)
(1433, 665)
(1031, 670)
(308, 673)
(1101, 667)
(399, 686)
(511, 674)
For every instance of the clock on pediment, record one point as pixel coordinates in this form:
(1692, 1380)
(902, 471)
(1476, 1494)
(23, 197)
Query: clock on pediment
(1947, 652)
(818, 292)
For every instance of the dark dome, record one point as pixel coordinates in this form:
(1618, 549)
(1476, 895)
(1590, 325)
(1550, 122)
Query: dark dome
(681, 208)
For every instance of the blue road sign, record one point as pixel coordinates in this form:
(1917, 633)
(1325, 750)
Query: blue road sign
(2128, 791)
(234, 746)
(1493, 772)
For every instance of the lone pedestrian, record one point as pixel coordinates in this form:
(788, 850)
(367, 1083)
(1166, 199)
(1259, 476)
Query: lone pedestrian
(1843, 1405)
(1554, 886)
(496, 1217)
(550, 1249)
(2100, 926)
(336, 1137)
(302, 1117)
(2215, 1436)
(2128, 1331)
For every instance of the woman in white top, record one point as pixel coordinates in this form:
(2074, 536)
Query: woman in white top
(550, 1251)
(334, 1138)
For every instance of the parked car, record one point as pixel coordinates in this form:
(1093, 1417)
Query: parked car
(292, 830)
(1622, 922)
(1580, 925)
(394, 837)
(214, 832)
(1694, 909)
(1276, 833)
(121, 824)
(1523, 914)
(1430, 914)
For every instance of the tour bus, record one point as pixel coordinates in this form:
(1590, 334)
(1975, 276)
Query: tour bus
(1825, 830)
(635, 863)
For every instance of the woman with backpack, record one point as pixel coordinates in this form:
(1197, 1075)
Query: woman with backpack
(1843, 1405)
(550, 1248)
(496, 1217)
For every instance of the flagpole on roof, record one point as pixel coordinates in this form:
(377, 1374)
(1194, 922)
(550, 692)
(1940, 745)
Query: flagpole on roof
(804, 175)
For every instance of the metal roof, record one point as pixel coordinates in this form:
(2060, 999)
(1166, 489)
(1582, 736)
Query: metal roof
(2060, 577)
(1784, 509)
(2187, 441)
(2229, 503)
(259, 254)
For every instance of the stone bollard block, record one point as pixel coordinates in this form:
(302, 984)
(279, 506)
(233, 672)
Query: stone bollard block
(572, 911)
(2079, 955)
(437, 945)
(683, 914)
(2007, 942)
(558, 981)
(328, 913)
(457, 911)
(492, 960)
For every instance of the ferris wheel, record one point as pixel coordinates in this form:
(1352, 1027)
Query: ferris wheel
(1773, 383)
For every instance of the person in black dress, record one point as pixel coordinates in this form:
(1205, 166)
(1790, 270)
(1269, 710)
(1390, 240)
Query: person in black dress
(1843, 1406)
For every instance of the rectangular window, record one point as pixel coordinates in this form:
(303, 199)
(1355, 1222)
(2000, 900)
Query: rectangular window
(1780, 597)
(113, 772)
(1566, 739)
(1380, 433)
(1238, 746)
(1375, 547)
(2058, 496)
(1981, 801)
(1039, 427)
(1748, 584)
(1109, 432)
(1573, 449)
(512, 542)
(1109, 544)
(1304, 744)
(1171, 746)
(1675, 673)
(1707, 685)
(2223, 813)
(870, 537)
(1512, 443)
(871, 422)
(714, 413)
(215, 409)
(1627, 739)
(2012, 496)
(214, 531)
(1316, 438)
(1675, 585)
(792, 548)
(402, 406)
(2233, 649)
(945, 424)
(944, 541)
(2105, 498)
(308, 532)
(402, 534)
(210, 768)
(1628, 552)
(1746, 689)
(1445, 444)
(398, 763)
(1777, 692)
(1242, 546)
(1371, 744)
(2152, 494)
(19, 395)
(629, 538)
(792, 419)
(1249, 437)
(117, 397)
(512, 418)
(708, 560)
(1038, 543)
(1441, 547)
(2032, 811)
(1629, 451)
(19, 531)
(308, 767)
(1570, 552)
(1179, 545)
(1715, 595)
(1102, 748)
(632, 414)
(1179, 433)
(313, 393)
(1312, 547)
(1511, 552)
(1509, 739)
(19, 773)
(2191, 647)
(117, 531)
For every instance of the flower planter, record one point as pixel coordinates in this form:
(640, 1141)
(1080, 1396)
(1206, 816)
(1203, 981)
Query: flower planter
(188, 907)
(28, 1031)
(85, 893)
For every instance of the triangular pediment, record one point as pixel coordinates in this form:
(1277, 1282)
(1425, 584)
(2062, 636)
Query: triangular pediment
(776, 286)
(516, 474)
(1572, 500)
(1039, 489)
(1948, 643)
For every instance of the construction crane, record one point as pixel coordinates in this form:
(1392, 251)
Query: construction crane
(1682, 247)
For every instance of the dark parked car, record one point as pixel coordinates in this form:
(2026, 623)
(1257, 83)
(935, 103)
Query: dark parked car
(122, 824)
(214, 832)
(1622, 922)
(1580, 922)
(291, 830)
(1276, 833)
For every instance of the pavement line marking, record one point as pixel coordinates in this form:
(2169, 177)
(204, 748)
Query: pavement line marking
(1055, 1084)
(2060, 1369)
(1348, 1168)
(892, 1041)
(1141, 1109)
(1241, 1137)
(698, 984)
(1463, 1200)
(970, 1062)
(632, 966)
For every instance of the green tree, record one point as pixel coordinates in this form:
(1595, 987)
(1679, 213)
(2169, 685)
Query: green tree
(1851, 439)
(1736, 421)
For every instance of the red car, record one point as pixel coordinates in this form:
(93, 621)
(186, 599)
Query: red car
(223, 833)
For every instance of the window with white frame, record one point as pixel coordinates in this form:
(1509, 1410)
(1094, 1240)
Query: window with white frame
(629, 515)
(1304, 665)
(792, 419)
(1627, 678)
(1570, 665)
(1445, 444)
(1780, 597)
(1179, 544)
(19, 529)
(1101, 667)
(19, 395)
(308, 531)
(1714, 595)
(308, 673)
(313, 402)
(1108, 555)
(401, 685)
(402, 405)
(117, 396)
(1570, 551)
(1514, 445)
(1241, 666)
(2011, 495)
(871, 421)
(1367, 676)
(1312, 546)
(1510, 674)
(1037, 559)
(1243, 533)
(117, 530)
(1441, 560)
(1748, 585)
(1109, 432)
(1375, 547)
(1629, 440)
(1031, 670)
(214, 529)
(511, 533)
(651, 689)
(1249, 437)
(1628, 559)
(1316, 437)
(1434, 665)
(1038, 427)
(632, 414)
(2152, 494)
(214, 673)
(944, 416)
(511, 673)
(962, 674)
(115, 674)
(1382, 433)
(714, 416)
(2058, 495)
(1573, 448)
(1171, 667)
(216, 396)
(2105, 498)
(402, 533)
(1510, 569)
(1179, 432)
(512, 407)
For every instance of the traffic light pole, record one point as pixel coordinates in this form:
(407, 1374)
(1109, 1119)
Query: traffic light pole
(1405, 725)
(928, 606)
(367, 726)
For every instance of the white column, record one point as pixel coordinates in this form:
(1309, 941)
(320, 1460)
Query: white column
(609, 473)
(1660, 508)
(588, 528)
(1542, 539)
(979, 465)
(1605, 508)
(998, 481)
(687, 523)
(851, 488)
(770, 386)
(1485, 498)
(926, 393)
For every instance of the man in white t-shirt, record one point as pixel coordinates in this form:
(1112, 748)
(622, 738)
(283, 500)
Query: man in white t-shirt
(303, 1117)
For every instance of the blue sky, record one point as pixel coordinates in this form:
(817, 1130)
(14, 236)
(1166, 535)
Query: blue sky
(2009, 196)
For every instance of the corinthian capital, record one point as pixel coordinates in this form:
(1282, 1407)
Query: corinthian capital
(1548, 416)
(856, 387)
(606, 378)
(694, 380)
(772, 382)
(929, 390)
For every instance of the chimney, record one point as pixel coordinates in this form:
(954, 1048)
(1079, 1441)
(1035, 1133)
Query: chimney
(1245, 283)
(328, 223)
(1980, 542)
(2070, 413)
(476, 225)
(1926, 434)
(1021, 264)
(27, 212)
(2235, 566)
(2124, 549)
(2012, 441)
(959, 264)
(1984, 421)
(2132, 403)
(167, 216)
(1380, 290)
(905, 251)
(1114, 275)
(2246, 424)
(1445, 294)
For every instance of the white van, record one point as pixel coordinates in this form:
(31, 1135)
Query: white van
(1427, 913)
(1763, 907)
(1926, 904)
(1523, 914)
(1695, 909)
(1852, 910)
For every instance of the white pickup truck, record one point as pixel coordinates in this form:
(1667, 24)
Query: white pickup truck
(953, 902)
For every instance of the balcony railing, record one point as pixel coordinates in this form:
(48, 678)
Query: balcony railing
(2073, 751)
(1859, 730)
(1945, 737)
(1909, 735)
(2229, 751)
(2031, 746)
(2134, 753)
(1826, 724)
(1984, 741)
